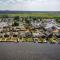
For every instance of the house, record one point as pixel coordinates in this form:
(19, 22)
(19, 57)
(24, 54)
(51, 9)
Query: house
(28, 34)
(50, 26)
(35, 24)
(22, 28)
(58, 27)
(39, 37)
(3, 24)
(22, 34)
(15, 34)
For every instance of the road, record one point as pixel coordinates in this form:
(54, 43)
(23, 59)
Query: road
(29, 51)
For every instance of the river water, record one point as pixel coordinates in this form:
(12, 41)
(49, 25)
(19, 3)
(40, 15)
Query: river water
(29, 51)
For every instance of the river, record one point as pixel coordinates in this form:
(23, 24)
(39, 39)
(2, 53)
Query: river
(29, 51)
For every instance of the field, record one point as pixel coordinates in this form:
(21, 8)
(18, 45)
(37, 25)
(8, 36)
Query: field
(40, 14)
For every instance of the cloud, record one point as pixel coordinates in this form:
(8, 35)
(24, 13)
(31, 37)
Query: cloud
(37, 5)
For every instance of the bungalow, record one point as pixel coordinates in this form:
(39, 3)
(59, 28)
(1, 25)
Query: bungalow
(22, 28)
(22, 34)
(39, 37)
(35, 24)
(35, 36)
(15, 34)
(50, 27)
(3, 24)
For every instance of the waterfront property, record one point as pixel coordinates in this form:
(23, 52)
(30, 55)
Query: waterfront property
(29, 29)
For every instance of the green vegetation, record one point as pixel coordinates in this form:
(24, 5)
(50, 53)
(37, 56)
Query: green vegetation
(43, 15)
(16, 18)
(16, 24)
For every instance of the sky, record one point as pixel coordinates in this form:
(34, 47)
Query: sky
(30, 5)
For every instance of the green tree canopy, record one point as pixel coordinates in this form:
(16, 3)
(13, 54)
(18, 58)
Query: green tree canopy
(16, 24)
(16, 18)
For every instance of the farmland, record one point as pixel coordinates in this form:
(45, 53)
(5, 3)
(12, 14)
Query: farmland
(33, 14)
(49, 14)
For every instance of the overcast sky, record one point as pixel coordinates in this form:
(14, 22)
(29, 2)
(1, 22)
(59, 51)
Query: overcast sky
(30, 5)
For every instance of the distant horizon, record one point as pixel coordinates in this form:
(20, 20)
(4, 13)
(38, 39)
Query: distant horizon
(31, 10)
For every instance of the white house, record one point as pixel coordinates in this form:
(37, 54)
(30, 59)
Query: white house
(3, 24)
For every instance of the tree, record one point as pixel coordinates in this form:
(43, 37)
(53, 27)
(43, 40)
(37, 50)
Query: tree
(16, 24)
(4, 17)
(27, 23)
(16, 18)
(57, 19)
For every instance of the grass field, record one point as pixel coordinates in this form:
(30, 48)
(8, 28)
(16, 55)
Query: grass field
(49, 15)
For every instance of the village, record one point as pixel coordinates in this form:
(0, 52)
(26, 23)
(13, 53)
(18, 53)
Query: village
(29, 29)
